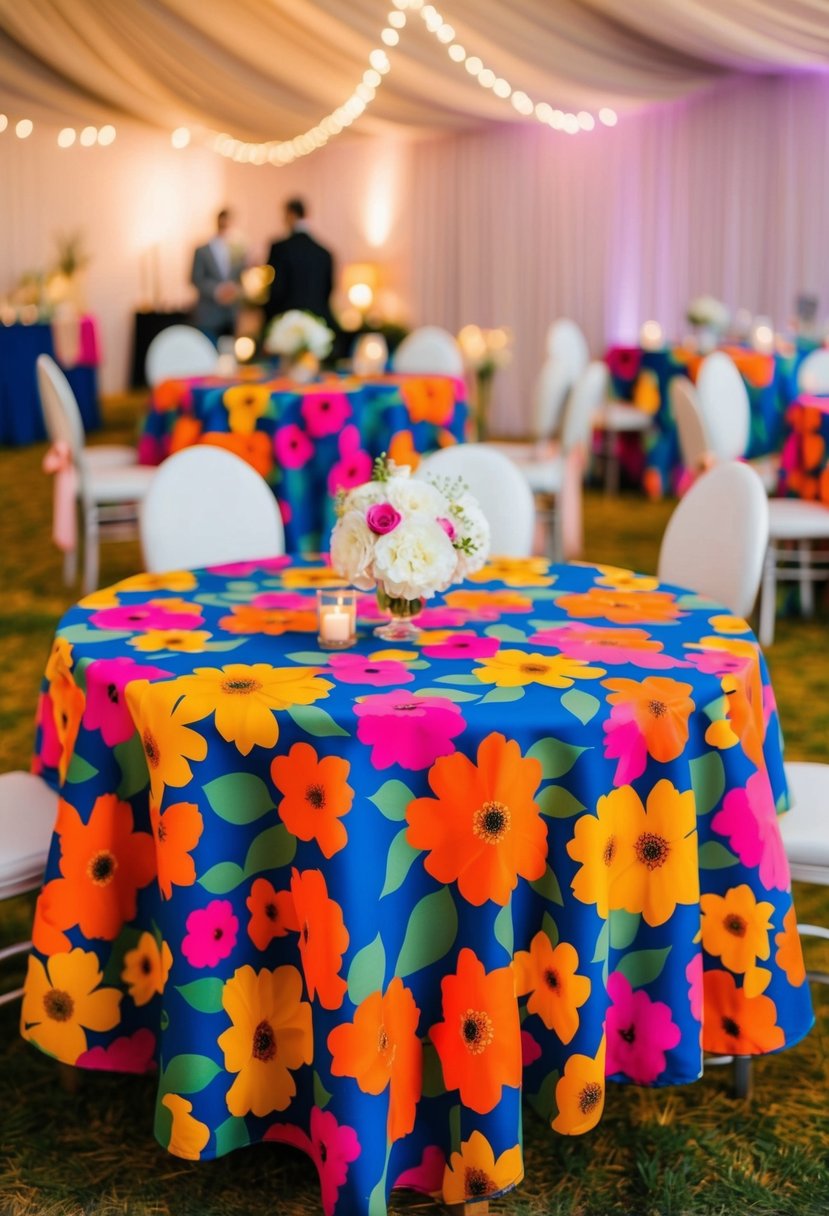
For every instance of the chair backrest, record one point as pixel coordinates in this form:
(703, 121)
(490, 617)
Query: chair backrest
(695, 443)
(429, 349)
(500, 488)
(179, 350)
(551, 388)
(586, 399)
(723, 400)
(567, 344)
(207, 507)
(370, 355)
(60, 408)
(813, 373)
(722, 563)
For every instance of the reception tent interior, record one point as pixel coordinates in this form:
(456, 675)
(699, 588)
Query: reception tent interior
(656, 173)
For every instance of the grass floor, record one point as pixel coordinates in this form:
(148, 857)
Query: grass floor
(690, 1151)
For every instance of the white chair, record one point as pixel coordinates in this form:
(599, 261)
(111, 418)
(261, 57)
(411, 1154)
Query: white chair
(108, 489)
(813, 373)
(500, 488)
(805, 832)
(697, 551)
(567, 344)
(695, 444)
(617, 418)
(723, 400)
(179, 350)
(208, 507)
(28, 809)
(370, 355)
(429, 350)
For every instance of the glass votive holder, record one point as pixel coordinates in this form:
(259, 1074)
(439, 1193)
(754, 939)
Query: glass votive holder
(336, 617)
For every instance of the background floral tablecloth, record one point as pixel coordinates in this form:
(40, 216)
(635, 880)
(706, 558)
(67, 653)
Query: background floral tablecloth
(804, 461)
(310, 440)
(362, 902)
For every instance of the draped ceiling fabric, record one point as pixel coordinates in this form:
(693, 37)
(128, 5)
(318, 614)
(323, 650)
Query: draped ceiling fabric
(269, 69)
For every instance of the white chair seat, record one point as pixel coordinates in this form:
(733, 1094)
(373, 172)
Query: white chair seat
(620, 416)
(110, 456)
(127, 484)
(805, 828)
(28, 808)
(793, 519)
(522, 451)
(544, 476)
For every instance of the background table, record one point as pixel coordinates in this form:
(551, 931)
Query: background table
(307, 440)
(21, 418)
(146, 325)
(307, 885)
(805, 457)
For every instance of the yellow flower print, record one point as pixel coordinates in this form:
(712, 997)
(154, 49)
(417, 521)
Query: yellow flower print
(474, 1172)
(162, 719)
(516, 572)
(726, 623)
(514, 668)
(146, 968)
(245, 405)
(625, 580)
(62, 1001)
(314, 576)
(174, 580)
(735, 928)
(188, 1137)
(602, 844)
(188, 641)
(580, 1093)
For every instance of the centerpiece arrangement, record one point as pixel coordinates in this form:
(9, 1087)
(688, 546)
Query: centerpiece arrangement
(301, 339)
(484, 352)
(409, 539)
(710, 317)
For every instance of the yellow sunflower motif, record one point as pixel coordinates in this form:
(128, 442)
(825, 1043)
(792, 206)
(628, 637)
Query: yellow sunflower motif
(244, 698)
(106, 597)
(188, 1137)
(270, 1036)
(602, 844)
(245, 405)
(726, 623)
(59, 663)
(515, 668)
(580, 1093)
(63, 1000)
(735, 928)
(162, 719)
(313, 576)
(622, 579)
(188, 641)
(173, 580)
(146, 968)
(474, 1172)
(516, 572)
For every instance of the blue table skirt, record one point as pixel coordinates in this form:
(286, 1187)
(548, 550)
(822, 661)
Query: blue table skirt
(21, 419)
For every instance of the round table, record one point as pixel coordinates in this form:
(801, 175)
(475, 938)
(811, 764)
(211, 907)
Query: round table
(361, 901)
(805, 457)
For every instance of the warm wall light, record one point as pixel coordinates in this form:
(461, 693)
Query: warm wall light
(650, 336)
(361, 296)
(762, 335)
(244, 349)
(359, 282)
(370, 355)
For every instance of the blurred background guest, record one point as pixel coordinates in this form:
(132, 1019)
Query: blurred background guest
(216, 275)
(303, 269)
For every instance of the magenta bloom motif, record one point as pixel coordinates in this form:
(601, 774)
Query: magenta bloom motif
(717, 662)
(449, 618)
(211, 934)
(149, 615)
(152, 450)
(130, 1053)
(749, 819)
(426, 1177)
(598, 645)
(639, 1032)
(105, 708)
(368, 610)
(357, 669)
(447, 525)
(625, 742)
(354, 466)
(331, 1146)
(693, 974)
(463, 646)
(530, 1049)
(292, 447)
(50, 750)
(408, 730)
(324, 413)
(243, 569)
(382, 518)
(287, 601)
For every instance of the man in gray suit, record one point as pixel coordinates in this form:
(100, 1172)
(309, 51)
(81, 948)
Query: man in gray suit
(216, 275)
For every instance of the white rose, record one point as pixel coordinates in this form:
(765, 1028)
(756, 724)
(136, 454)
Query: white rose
(352, 550)
(471, 524)
(413, 496)
(415, 560)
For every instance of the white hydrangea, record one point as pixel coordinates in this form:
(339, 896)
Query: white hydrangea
(295, 332)
(352, 549)
(410, 496)
(470, 523)
(415, 560)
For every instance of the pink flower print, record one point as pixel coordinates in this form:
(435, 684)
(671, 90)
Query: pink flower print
(130, 1053)
(368, 609)
(460, 646)
(285, 510)
(243, 569)
(607, 646)
(357, 669)
(408, 730)
(211, 934)
(769, 703)
(718, 662)
(382, 518)
(152, 450)
(51, 748)
(427, 1177)
(625, 742)
(331, 1146)
(448, 618)
(106, 710)
(354, 466)
(749, 819)
(292, 447)
(693, 974)
(530, 1049)
(153, 614)
(324, 413)
(639, 1032)
(287, 601)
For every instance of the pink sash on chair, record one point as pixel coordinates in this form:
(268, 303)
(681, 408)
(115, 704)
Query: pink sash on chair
(571, 528)
(58, 460)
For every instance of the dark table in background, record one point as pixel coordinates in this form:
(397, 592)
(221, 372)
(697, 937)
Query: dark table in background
(146, 326)
(21, 418)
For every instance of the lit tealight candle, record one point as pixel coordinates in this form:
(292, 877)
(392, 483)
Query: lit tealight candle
(337, 612)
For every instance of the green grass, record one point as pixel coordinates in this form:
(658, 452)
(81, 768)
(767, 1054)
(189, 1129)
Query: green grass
(690, 1151)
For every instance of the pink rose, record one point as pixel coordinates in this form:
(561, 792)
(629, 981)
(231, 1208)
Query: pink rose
(448, 526)
(382, 518)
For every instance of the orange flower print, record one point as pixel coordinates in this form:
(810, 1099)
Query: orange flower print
(67, 701)
(272, 913)
(146, 968)
(380, 1049)
(162, 718)
(601, 842)
(548, 973)
(734, 1023)
(580, 1093)
(254, 448)
(177, 831)
(47, 937)
(323, 937)
(245, 618)
(103, 863)
(735, 929)
(658, 706)
(402, 450)
(316, 796)
(186, 431)
(63, 1000)
(474, 1173)
(483, 828)
(621, 607)
(789, 953)
(491, 602)
(189, 1136)
(429, 399)
(479, 1039)
(516, 572)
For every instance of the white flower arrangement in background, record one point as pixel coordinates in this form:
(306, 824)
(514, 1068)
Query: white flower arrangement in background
(296, 333)
(708, 313)
(484, 351)
(407, 537)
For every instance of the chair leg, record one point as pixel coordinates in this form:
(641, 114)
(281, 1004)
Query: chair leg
(768, 597)
(742, 1077)
(807, 588)
(70, 567)
(91, 557)
(611, 465)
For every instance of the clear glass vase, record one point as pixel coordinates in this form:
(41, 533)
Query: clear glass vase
(402, 613)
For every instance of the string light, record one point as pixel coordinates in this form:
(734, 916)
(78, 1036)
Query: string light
(4, 122)
(24, 128)
(67, 137)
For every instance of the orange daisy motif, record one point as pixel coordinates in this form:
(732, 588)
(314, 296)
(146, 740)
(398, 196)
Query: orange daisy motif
(162, 718)
(580, 1093)
(516, 668)
(380, 1049)
(306, 577)
(622, 579)
(516, 572)
(429, 399)
(146, 968)
(254, 448)
(189, 1136)
(602, 843)
(316, 796)
(548, 973)
(186, 432)
(402, 450)
(474, 1172)
(483, 829)
(734, 1023)
(323, 937)
(735, 928)
(500, 601)
(63, 1000)
(67, 701)
(47, 937)
(789, 954)
(177, 831)
(622, 607)
(479, 1039)
(272, 913)
(245, 618)
(660, 707)
(103, 863)
(245, 405)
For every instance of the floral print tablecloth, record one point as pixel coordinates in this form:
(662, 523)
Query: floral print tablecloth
(307, 440)
(804, 461)
(364, 902)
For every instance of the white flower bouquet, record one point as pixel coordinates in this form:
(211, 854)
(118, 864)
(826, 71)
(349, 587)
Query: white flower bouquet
(708, 313)
(296, 333)
(408, 538)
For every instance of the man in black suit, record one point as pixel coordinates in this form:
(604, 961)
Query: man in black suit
(303, 269)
